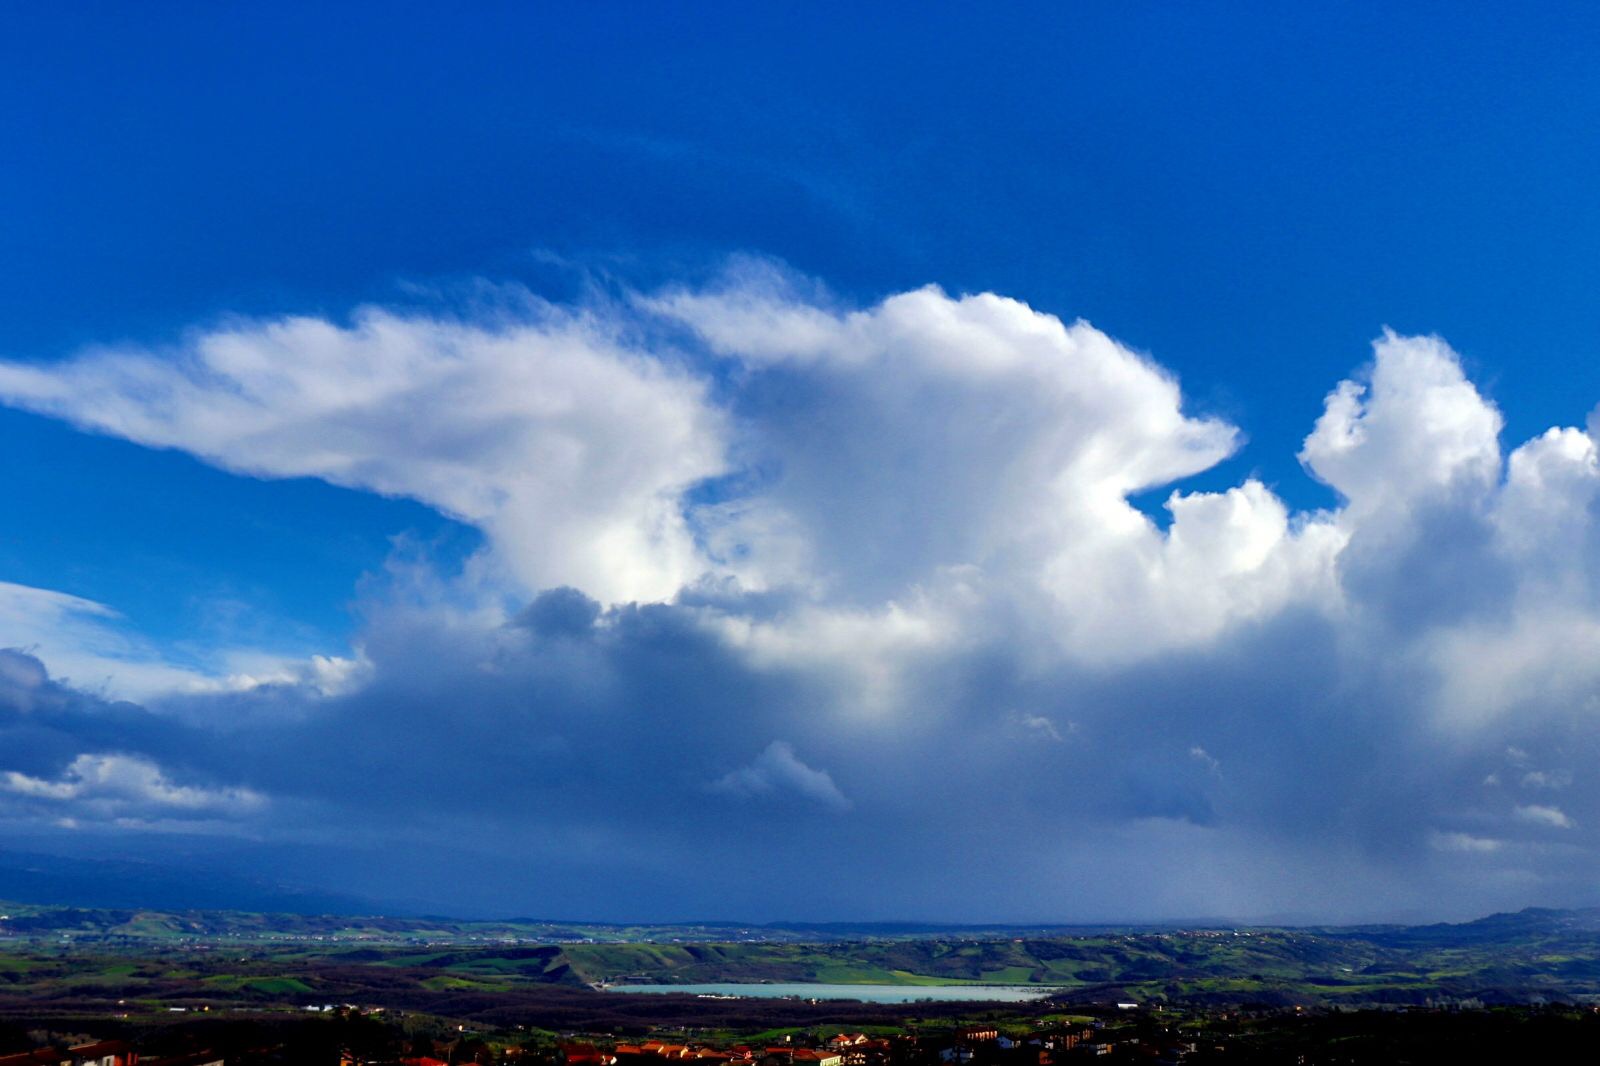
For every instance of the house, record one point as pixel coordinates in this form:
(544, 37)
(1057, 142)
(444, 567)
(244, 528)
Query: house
(585, 1055)
(1060, 1039)
(977, 1034)
(805, 1056)
(857, 1049)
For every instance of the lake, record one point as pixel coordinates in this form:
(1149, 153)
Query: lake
(867, 993)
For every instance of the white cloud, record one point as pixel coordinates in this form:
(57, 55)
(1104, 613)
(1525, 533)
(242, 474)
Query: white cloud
(1537, 814)
(1414, 429)
(241, 670)
(1464, 842)
(929, 436)
(1496, 590)
(1036, 727)
(866, 653)
(919, 474)
(900, 444)
(113, 786)
(87, 643)
(1531, 658)
(892, 447)
(569, 449)
(919, 471)
(1544, 517)
(778, 771)
(91, 646)
(925, 525)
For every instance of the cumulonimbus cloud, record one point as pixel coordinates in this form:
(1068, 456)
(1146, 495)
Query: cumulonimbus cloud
(900, 538)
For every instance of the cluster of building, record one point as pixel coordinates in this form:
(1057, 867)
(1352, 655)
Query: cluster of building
(976, 1044)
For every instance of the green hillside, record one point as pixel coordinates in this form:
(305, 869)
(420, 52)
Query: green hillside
(1519, 957)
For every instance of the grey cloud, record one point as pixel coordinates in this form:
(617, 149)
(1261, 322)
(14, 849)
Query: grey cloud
(576, 768)
(560, 612)
(67, 756)
(777, 771)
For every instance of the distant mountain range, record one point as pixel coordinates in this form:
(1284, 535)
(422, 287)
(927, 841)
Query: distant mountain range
(1531, 922)
(97, 892)
(122, 899)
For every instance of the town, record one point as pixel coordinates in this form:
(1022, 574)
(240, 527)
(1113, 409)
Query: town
(1088, 1033)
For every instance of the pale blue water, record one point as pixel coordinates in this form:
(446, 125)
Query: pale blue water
(867, 993)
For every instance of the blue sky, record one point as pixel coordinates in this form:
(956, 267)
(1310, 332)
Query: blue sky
(681, 253)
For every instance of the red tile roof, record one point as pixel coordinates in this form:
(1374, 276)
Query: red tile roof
(34, 1058)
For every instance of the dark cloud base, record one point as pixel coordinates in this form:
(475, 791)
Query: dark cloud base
(567, 765)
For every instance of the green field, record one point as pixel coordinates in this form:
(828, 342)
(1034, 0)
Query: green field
(207, 958)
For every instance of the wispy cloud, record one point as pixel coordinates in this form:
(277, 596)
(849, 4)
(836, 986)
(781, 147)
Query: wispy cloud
(1538, 814)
